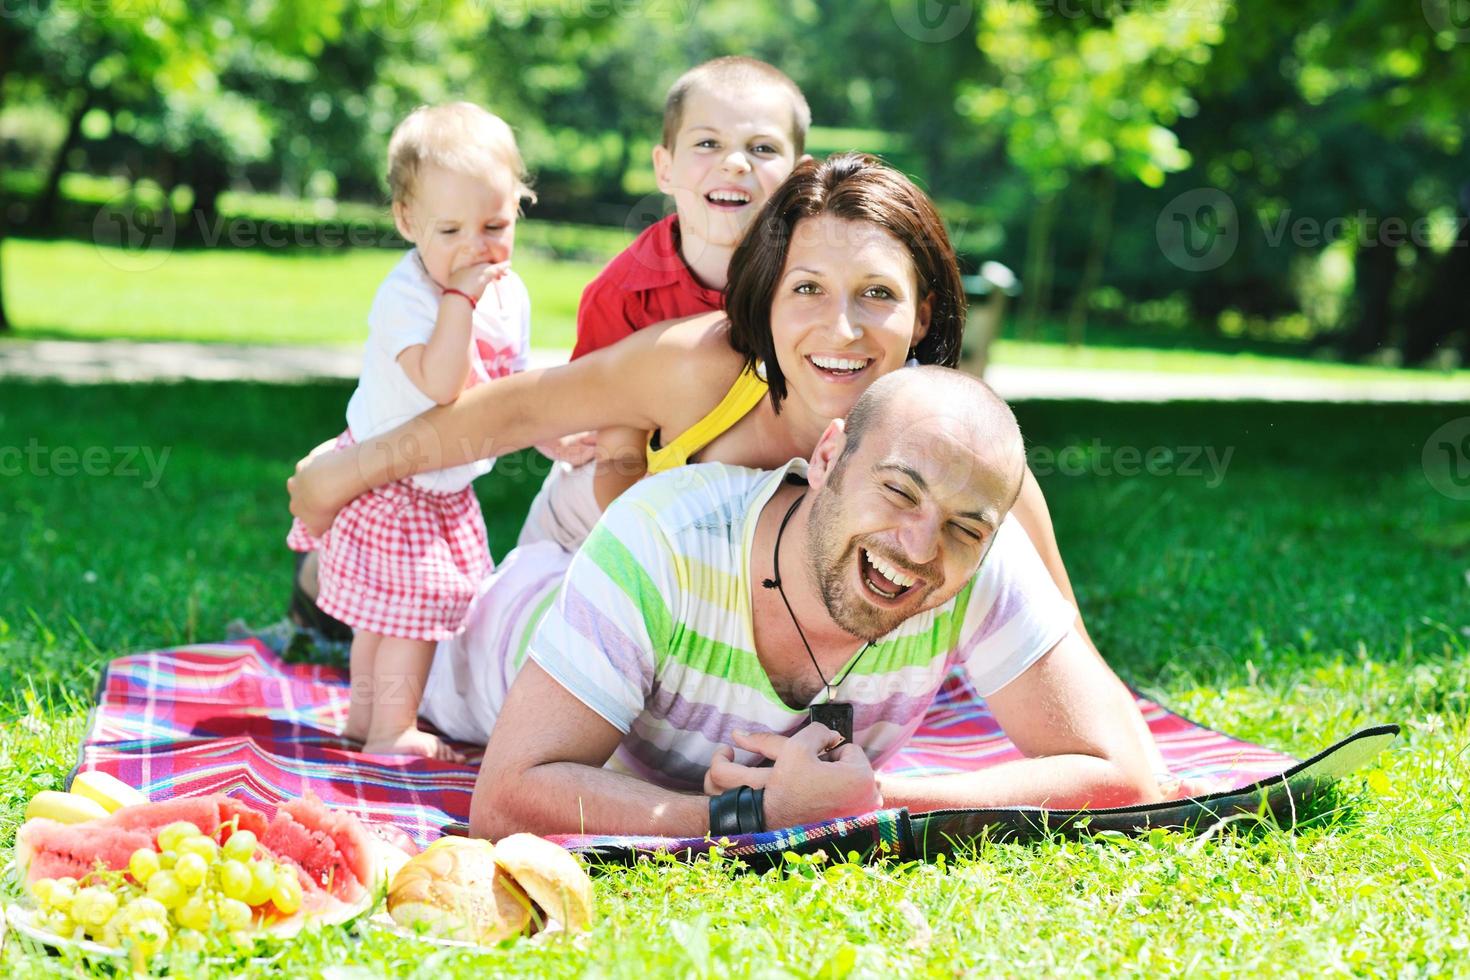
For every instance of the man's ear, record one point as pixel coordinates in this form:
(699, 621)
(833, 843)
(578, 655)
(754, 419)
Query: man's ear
(663, 162)
(922, 319)
(401, 221)
(825, 456)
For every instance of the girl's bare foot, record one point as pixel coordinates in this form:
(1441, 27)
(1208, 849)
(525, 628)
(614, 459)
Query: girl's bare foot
(414, 742)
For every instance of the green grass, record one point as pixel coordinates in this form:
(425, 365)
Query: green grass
(77, 290)
(1319, 586)
(322, 296)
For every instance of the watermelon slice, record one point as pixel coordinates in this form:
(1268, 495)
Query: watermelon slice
(331, 851)
(47, 849)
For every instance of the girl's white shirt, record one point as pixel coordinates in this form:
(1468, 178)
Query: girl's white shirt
(403, 314)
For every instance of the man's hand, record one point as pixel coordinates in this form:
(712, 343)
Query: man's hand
(477, 277)
(575, 449)
(315, 498)
(802, 786)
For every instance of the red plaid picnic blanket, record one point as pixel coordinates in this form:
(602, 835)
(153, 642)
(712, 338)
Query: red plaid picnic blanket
(233, 718)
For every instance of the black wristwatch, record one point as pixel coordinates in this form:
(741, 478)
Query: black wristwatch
(741, 810)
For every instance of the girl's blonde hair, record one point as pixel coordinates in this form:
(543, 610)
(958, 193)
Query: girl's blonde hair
(458, 136)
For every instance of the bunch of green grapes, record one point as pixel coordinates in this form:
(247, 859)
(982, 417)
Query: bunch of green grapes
(189, 887)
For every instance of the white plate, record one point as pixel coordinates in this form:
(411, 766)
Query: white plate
(26, 922)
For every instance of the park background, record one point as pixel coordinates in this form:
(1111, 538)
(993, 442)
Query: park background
(1273, 195)
(1199, 174)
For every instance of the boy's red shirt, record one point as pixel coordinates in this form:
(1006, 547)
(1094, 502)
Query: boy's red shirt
(644, 284)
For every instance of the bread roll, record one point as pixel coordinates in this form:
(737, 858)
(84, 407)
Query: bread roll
(550, 875)
(455, 891)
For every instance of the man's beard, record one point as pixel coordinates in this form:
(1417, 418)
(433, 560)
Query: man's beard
(850, 611)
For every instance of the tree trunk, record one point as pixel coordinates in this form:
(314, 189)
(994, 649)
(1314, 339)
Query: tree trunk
(4, 320)
(1375, 269)
(45, 213)
(208, 177)
(1441, 311)
(614, 190)
(1038, 256)
(1097, 253)
(7, 51)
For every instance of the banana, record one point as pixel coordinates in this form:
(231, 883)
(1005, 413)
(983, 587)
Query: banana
(63, 807)
(107, 790)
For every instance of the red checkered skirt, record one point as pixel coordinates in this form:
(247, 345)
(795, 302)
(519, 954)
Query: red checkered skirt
(400, 560)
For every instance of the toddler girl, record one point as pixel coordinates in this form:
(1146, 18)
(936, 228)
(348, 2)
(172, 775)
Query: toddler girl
(401, 564)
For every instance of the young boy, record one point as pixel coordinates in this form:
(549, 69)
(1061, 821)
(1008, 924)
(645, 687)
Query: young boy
(733, 130)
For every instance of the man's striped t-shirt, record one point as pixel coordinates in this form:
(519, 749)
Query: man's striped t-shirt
(653, 629)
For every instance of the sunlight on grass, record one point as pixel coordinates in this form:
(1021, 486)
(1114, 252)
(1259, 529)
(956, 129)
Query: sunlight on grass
(78, 290)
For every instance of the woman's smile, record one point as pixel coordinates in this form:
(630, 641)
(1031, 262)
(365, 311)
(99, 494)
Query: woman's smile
(846, 368)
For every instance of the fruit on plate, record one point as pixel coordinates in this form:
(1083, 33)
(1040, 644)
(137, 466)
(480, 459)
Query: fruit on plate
(46, 848)
(176, 871)
(480, 892)
(106, 790)
(63, 807)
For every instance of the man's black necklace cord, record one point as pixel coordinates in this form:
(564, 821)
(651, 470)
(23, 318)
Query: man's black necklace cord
(775, 583)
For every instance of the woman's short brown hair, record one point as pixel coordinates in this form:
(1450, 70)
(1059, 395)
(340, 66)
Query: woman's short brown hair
(854, 187)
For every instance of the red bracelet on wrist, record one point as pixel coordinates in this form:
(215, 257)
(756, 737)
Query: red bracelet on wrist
(460, 292)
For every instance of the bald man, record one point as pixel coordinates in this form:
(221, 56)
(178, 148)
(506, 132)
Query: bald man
(734, 650)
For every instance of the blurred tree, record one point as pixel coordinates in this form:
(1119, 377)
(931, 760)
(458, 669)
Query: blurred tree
(1339, 127)
(1089, 92)
(159, 63)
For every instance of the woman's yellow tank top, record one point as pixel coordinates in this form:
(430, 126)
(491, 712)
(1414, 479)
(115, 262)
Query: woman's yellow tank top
(744, 394)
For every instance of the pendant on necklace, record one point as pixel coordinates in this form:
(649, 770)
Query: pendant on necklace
(836, 715)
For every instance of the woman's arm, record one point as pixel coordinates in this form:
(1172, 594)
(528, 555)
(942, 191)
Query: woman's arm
(1031, 510)
(622, 460)
(625, 384)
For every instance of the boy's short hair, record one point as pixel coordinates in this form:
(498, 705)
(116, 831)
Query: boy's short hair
(734, 73)
(458, 136)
